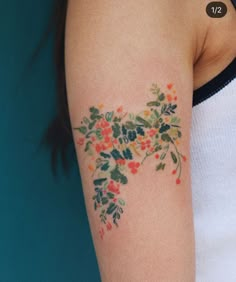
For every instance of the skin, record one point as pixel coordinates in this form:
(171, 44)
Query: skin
(114, 52)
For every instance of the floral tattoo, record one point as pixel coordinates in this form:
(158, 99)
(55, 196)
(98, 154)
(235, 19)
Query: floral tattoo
(119, 142)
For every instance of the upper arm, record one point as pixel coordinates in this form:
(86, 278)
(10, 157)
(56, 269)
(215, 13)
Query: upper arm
(129, 83)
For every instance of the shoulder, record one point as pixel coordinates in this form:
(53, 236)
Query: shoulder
(215, 42)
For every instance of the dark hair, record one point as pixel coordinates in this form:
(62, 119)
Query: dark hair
(58, 135)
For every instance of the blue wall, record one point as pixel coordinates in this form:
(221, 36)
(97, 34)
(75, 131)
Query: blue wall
(44, 234)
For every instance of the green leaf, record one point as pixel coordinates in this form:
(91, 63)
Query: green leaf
(156, 124)
(109, 116)
(98, 134)
(120, 210)
(98, 198)
(94, 110)
(143, 121)
(99, 181)
(155, 90)
(116, 154)
(86, 120)
(158, 148)
(110, 195)
(173, 107)
(153, 104)
(82, 129)
(131, 116)
(91, 125)
(163, 108)
(123, 179)
(116, 130)
(163, 155)
(174, 158)
(104, 155)
(87, 147)
(179, 134)
(161, 166)
(95, 206)
(112, 207)
(116, 119)
(120, 140)
(162, 97)
(164, 127)
(130, 125)
(117, 176)
(105, 200)
(121, 202)
(166, 137)
(127, 154)
(174, 120)
(95, 117)
(116, 215)
(105, 167)
(156, 113)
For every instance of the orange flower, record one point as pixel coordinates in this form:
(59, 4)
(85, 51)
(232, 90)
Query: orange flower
(109, 145)
(140, 138)
(146, 113)
(80, 141)
(106, 131)
(90, 167)
(100, 106)
(169, 86)
(120, 161)
(120, 109)
(102, 123)
(169, 98)
(107, 139)
(98, 148)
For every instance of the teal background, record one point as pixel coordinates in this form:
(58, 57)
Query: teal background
(44, 235)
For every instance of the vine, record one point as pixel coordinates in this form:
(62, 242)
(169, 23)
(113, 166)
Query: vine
(119, 142)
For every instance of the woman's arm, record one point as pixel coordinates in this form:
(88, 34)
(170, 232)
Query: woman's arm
(129, 82)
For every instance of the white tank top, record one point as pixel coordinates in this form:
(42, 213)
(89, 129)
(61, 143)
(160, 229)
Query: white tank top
(213, 166)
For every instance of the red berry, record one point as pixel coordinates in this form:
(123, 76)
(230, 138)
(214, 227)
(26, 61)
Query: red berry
(133, 170)
(169, 86)
(137, 165)
(131, 164)
(184, 158)
(178, 181)
(174, 171)
(157, 156)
